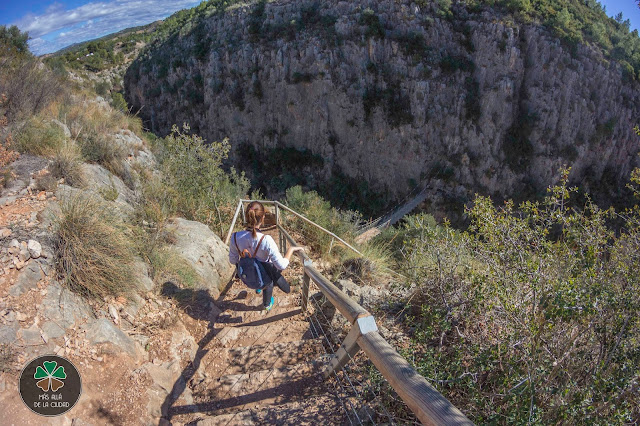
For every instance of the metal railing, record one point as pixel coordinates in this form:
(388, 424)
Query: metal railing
(428, 405)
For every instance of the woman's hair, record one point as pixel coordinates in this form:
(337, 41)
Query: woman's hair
(254, 215)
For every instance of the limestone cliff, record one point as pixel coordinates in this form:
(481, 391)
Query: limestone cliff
(393, 94)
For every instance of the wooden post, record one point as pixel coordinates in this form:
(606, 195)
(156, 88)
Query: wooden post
(278, 223)
(305, 291)
(349, 347)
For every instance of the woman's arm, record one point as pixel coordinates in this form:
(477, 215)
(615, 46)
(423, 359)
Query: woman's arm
(292, 250)
(279, 261)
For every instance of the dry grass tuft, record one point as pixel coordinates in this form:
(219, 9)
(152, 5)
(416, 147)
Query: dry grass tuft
(94, 249)
(67, 164)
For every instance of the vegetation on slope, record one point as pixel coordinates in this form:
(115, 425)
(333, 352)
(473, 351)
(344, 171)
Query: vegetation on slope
(529, 316)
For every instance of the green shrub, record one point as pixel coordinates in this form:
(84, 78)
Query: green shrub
(93, 248)
(40, 137)
(118, 102)
(316, 209)
(109, 193)
(195, 181)
(102, 88)
(103, 150)
(537, 304)
(371, 21)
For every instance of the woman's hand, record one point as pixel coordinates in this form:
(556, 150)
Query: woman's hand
(291, 251)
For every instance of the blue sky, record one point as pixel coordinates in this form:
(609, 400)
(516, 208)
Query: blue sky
(53, 25)
(56, 24)
(629, 9)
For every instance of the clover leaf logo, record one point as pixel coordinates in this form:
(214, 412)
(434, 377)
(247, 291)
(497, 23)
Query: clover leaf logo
(50, 376)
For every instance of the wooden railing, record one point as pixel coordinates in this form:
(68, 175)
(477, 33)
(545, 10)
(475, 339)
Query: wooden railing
(429, 406)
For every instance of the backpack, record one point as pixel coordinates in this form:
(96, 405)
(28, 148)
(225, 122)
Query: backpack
(250, 270)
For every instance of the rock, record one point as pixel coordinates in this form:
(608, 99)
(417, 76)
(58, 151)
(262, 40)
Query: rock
(133, 306)
(142, 280)
(102, 331)
(14, 243)
(164, 375)
(27, 279)
(31, 336)
(8, 333)
(52, 330)
(24, 254)
(5, 232)
(204, 251)
(63, 307)
(20, 316)
(366, 296)
(65, 129)
(35, 249)
(114, 314)
(99, 179)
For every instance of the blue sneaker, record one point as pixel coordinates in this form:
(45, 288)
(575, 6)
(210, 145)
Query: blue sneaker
(273, 302)
(258, 291)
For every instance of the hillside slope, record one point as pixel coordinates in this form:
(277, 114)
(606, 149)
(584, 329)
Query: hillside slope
(395, 94)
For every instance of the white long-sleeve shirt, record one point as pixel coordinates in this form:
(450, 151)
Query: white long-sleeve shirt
(267, 252)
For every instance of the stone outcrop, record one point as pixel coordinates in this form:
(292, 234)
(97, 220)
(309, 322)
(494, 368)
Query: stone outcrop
(398, 97)
(204, 251)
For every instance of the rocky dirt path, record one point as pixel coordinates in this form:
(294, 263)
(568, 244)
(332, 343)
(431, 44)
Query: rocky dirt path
(256, 367)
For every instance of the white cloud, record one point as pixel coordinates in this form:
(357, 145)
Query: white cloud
(58, 27)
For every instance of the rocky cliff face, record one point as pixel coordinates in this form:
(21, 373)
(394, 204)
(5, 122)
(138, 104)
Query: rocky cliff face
(390, 93)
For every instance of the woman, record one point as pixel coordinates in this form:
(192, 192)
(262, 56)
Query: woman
(265, 250)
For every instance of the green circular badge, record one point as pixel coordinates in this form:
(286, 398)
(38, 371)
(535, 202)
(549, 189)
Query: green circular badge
(50, 385)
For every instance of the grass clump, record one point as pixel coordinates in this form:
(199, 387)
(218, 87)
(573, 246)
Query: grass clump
(168, 265)
(93, 247)
(315, 208)
(67, 164)
(104, 150)
(40, 137)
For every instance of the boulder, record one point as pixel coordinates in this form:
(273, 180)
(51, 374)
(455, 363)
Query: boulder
(27, 279)
(52, 330)
(65, 192)
(100, 179)
(104, 332)
(63, 307)
(35, 249)
(203, 250)
(8, 333)
(143, 282)
(65, 129)
(365, 295)
(31, 336)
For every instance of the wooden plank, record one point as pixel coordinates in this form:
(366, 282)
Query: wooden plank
(305, 292)
(347, 307)
(424, 400)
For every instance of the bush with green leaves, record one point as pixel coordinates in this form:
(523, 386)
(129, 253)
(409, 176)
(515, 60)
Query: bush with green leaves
(530, 316)
(40, 137)
(200, 189)
(311, 205)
